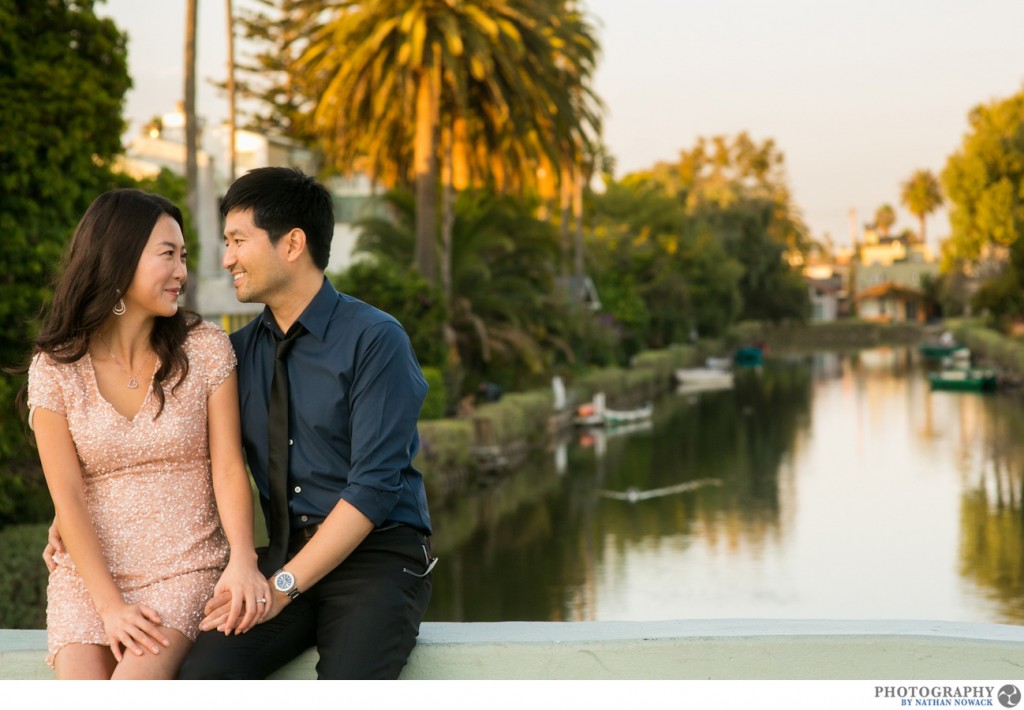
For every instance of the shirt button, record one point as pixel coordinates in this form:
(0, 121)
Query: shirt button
(291, 441)
(303, 518)
(298, 489)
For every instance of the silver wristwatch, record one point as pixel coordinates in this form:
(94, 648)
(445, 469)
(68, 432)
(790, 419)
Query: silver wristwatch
(284, 582)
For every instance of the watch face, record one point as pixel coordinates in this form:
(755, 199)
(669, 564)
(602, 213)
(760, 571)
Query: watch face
(284, 581)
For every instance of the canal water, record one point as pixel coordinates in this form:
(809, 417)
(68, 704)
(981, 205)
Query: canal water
(828, 486)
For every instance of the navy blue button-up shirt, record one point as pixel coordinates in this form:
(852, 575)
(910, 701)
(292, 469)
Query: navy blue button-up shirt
(355, 392)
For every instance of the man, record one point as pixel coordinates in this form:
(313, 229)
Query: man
(354, 579)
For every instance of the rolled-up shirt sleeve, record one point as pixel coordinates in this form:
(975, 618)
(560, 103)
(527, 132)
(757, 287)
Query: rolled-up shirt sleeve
(387, 393)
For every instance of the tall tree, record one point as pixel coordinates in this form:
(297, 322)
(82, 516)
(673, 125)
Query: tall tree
(494, 74)
(191, 130)
(921, 195)
(269, 75)
(735, 190)
(984, 182)
(63, 79)
(984, 179)
(231, 88)
(885, 217)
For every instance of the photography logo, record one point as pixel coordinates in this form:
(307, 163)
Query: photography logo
(1009, 696)
(915, 696)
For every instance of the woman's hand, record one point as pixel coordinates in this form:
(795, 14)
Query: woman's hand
(249, 597)
(135, 627)
(53, 545)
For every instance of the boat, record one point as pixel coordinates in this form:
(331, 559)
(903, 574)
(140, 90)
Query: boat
(595, 413)
(703, 378)
(750, 356)
(943, 351)
(964, 380)
(597, 437)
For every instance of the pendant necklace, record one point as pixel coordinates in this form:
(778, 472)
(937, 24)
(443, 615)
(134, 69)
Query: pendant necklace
(133, 382)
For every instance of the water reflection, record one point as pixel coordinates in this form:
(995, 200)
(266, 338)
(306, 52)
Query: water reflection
(847, 490)
(991, 550)
(844, 488)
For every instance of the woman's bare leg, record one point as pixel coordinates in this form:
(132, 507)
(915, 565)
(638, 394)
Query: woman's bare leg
(155, 666)
(84, 661)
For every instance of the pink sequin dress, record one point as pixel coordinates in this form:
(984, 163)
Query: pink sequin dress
(148, 488)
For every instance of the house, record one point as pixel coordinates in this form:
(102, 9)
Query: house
(876, 248)
(824, 296)
(890, 302)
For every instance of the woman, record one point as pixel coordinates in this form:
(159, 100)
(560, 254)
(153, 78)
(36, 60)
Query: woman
(134, 407)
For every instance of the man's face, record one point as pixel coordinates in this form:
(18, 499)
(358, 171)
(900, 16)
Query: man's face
(256, 265)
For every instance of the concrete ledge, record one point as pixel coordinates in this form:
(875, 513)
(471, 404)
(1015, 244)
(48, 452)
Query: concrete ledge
(684, 650)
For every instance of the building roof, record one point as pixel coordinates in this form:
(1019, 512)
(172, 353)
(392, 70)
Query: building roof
(887, 288)
(829, 286)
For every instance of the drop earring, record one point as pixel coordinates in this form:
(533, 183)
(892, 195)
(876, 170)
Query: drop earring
(119, 307)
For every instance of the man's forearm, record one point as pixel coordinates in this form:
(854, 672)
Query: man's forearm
(340, 533)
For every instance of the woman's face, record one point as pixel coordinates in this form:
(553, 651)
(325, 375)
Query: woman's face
(161, 272)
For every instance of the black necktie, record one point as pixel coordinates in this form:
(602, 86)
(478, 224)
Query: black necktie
(277, 462)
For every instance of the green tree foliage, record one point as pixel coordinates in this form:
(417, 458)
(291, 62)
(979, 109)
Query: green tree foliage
(395, 288)
(435, 403)
(921, 195)
(984, 179)
(63, 77)
(273, 101)
(506, 316)
(984, 182)
(885, 217)
(658, 278)
(23, 577)
(734, 192)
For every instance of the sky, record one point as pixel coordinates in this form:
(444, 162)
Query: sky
(857, 94)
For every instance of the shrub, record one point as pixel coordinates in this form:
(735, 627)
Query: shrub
(23, 577)
(437, 396)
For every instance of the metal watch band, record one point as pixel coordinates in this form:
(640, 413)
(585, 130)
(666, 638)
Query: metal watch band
(293, 591)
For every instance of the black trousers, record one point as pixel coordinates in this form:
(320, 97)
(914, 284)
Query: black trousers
(363, 617)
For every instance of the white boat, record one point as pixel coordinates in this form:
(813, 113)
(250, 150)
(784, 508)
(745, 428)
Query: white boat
(701, 378)
(595, 413)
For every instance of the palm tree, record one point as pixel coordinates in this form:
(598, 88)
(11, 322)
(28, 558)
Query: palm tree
(921, 195)
(191, 166)
(885, 217)
(231, 89)
(490, 75)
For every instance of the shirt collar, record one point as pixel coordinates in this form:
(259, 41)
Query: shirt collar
(314, 318)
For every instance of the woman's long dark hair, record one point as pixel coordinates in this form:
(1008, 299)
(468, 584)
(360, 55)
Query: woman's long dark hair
(99, 265)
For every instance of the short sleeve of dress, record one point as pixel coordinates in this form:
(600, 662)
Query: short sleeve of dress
(212, 355)
(44, 385)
